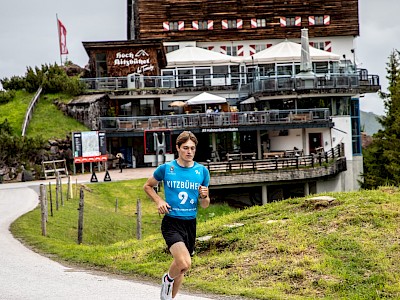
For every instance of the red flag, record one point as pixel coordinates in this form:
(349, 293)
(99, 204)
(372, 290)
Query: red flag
(62, 35)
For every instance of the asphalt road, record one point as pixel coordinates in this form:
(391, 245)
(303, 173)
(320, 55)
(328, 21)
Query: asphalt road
(25, 274)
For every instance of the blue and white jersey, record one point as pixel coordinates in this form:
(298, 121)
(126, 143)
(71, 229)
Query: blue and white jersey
(182, 187)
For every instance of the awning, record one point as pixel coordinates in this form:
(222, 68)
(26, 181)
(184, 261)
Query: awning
(289, 52)
(206, 98)
(250, 100)
(194, 56)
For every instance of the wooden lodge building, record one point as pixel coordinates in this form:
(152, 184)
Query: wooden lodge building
(280, 126)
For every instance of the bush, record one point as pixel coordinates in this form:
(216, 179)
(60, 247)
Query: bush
(52, 78)
(6, 96)
(14, 83)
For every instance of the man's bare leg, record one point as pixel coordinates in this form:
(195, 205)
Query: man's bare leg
(179, 266)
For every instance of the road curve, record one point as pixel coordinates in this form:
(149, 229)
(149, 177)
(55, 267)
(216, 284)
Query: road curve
(25, 274)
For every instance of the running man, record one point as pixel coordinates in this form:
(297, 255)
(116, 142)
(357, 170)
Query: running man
(184, 182)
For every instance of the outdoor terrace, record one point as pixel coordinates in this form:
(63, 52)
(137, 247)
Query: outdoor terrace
(208, 122)
(276, 169)
(244, 83)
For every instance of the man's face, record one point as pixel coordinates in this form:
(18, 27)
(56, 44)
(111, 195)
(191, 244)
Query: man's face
(186, 151)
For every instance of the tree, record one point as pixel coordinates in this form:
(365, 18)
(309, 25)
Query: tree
(382, 157)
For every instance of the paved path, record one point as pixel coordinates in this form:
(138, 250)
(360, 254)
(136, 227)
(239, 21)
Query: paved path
(25, 274)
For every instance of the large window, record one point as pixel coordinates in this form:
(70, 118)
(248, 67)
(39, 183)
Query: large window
(231, 50)
(171, 48)
(147, 107)
(261, 22)
(101, 65)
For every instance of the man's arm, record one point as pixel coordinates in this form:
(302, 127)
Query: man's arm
(204, 196)
(162, 206)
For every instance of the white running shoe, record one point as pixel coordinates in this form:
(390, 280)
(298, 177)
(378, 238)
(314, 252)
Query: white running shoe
(166, 288)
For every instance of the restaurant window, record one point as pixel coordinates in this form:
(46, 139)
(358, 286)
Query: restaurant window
(174, 26)
(319, 20)
(203, 77)
(203, 25)
(185, 77)
(259, 48)
(232, 24)
(231, 50)
(171, 48)
(319, 45)
(261, 22)
(101, 65)
(147, 107)
(220, 71)
(291, 21)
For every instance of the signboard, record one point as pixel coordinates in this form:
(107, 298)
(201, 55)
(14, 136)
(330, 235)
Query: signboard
(89, 146)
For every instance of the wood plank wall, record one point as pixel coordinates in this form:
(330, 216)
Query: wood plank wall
(151, 15)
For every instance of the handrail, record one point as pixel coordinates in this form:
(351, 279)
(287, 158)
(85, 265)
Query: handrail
(278, 163)
(29, 111)
(210, 121)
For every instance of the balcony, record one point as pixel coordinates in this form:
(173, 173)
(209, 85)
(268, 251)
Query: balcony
(277, 169)
(224, 121)
(243, 83)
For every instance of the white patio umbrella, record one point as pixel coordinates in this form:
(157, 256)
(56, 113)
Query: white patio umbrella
(206, 99)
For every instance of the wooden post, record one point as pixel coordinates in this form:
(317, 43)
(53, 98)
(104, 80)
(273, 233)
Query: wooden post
(61, 194)
(139, 220)
(43, 208)
(51, 200)
(76, 188)
(69, 188)
(80, 220)
(116, 204)
(57, 204)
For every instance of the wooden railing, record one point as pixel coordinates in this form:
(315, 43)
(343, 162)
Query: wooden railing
(214, 121)
(277, 163)
(29, 111)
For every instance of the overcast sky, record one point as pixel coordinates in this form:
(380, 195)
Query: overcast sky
(28, 34)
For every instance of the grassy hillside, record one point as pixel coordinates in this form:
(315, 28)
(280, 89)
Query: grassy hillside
(47, 120)
(14, 111)
(50, 122)
(292, 249)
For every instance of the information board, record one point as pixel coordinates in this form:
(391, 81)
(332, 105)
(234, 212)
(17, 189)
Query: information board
(89, 146)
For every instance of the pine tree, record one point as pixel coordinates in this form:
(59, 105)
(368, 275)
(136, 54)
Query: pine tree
(382, 157)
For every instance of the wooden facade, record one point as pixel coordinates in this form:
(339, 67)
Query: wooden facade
(121, 58)
(150, 16)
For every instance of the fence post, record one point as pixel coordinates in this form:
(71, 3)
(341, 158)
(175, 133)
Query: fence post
(80, 220)
(43, 208)
(57, 204)
(61, 194)
(69, 188)
(51, 200)
(139, 220)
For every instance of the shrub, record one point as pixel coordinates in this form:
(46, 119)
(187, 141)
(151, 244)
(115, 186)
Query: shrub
(6, 96)
(52, 78)
(14, 83)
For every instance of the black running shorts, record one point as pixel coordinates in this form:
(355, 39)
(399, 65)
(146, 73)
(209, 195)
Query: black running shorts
(177, 230)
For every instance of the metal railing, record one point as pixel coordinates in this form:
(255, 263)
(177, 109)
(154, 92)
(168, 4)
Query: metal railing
(214, 120)
(278, 163)
(29, 111)
(242, 81)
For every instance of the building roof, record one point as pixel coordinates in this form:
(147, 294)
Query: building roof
(192, 56)
(289, 52)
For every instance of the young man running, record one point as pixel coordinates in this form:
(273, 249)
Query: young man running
(185, 181)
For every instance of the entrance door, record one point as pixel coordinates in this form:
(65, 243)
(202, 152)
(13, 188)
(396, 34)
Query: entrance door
(314, 141)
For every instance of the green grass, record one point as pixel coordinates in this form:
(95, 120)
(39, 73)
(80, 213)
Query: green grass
(49, 122)
(15, 110)
(285, 250)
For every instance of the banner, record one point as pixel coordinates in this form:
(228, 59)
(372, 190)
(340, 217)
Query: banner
(62, 36)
